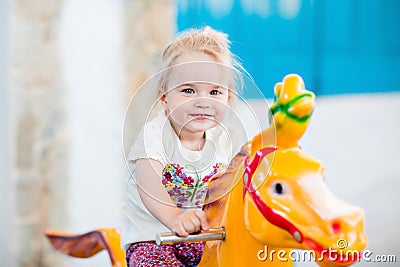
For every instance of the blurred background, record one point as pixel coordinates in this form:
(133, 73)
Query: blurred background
(68, 69)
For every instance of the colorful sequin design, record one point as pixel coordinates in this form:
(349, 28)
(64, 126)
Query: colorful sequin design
(148, 254)
(185, 190)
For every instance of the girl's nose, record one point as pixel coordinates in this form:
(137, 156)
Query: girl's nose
(202, 102)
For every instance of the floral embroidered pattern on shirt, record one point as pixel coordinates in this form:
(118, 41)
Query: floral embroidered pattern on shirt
(185, 190)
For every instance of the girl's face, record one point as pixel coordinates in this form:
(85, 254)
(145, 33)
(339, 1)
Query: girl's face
(196, 102)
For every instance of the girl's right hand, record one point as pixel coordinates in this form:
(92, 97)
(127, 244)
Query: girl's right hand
(188, 222)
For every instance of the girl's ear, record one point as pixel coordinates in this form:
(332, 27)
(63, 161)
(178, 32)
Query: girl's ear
(161, 94)
(163, 100)
(232, 99)
(229, 96)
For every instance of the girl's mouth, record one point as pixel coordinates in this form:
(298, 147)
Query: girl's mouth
(201, 116)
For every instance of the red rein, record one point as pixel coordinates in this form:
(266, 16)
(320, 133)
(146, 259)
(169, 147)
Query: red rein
(272, 216)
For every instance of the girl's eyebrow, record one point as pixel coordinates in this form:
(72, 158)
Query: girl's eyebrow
(215, 86)
(186, 85)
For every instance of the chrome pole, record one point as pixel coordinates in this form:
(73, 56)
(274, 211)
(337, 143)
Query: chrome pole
(170, 238)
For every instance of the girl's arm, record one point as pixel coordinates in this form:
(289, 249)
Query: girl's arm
(159, 203)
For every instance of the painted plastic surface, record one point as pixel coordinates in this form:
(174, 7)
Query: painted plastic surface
(89, 244)
(295, 209)
(278, 200)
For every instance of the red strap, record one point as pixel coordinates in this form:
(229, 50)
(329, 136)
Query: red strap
(271, 215)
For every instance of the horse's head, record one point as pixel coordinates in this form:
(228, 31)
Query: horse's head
(286, 201)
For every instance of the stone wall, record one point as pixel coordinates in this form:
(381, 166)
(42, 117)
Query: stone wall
(149, 27)
(40, 129)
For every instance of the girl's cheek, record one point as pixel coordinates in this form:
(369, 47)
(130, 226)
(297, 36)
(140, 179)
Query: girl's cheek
(222, 106)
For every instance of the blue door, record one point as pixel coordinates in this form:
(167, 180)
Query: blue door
(341, 46)
(361, 46)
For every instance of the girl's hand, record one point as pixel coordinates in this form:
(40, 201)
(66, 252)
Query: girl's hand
(182, 223)
(188, 222)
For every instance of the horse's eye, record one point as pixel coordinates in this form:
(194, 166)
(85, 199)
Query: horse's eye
(279, 188)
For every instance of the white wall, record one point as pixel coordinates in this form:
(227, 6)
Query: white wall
(91, 47)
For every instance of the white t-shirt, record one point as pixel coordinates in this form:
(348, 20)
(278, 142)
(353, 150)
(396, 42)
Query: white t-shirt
(185, 176)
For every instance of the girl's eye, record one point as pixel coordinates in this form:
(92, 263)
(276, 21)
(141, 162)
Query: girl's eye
(215, 92)
(188, 91)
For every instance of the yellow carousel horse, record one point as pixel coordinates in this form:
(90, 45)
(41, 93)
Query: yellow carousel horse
(276, 201)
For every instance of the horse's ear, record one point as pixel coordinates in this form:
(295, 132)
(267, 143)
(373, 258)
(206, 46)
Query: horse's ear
(216, 177)
(223, 181)
(277, 89)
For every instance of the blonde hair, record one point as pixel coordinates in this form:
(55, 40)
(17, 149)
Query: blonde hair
(208, 41)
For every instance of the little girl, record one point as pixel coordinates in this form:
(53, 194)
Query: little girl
(176, 155)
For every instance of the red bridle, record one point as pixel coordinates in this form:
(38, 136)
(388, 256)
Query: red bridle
(271, 215)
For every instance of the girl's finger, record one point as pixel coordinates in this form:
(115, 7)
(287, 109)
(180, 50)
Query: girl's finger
(203, 220)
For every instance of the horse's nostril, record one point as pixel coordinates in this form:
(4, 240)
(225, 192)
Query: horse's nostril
(335, 226)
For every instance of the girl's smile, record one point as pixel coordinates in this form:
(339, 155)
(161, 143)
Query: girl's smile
(201, 116)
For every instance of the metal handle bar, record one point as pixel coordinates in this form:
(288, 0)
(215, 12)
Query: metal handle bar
(170, 238)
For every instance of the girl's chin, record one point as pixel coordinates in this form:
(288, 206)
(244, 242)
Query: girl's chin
(201, 126)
